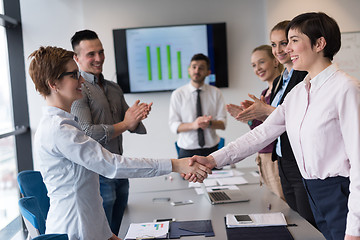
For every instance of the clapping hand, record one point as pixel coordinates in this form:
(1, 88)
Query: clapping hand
(136, 113)
(147, 110)
(234, 110)
(202, 122)
(258, 109)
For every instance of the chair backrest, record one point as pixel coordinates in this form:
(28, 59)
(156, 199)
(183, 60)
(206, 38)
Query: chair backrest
(221, 143)
(177, 149)
(52, 237)
(31, 184)
(32, 215)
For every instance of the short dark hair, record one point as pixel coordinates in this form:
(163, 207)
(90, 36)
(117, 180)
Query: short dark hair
(200, 56)
(316, 25)
(82, 35)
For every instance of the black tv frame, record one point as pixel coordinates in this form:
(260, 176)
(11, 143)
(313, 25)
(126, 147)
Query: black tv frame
(219, 61)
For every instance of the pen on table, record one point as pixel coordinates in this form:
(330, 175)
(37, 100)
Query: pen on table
(269, 206)
(216, 189)
(292, 225)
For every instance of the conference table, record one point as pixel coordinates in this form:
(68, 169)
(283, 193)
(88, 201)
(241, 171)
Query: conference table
(143, 205)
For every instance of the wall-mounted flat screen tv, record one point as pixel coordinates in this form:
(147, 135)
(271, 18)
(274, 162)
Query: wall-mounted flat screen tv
(152, 59)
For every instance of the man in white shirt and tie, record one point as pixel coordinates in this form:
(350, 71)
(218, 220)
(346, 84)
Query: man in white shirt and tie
(196, 111)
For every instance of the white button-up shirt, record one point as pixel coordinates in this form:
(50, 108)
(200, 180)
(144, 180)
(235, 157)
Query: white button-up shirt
(322, 119)
(70, 163)
(183, 110)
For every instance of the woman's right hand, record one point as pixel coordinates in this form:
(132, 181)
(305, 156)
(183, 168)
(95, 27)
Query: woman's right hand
(195, 171)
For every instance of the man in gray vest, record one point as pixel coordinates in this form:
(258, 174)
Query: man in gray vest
(104, 115)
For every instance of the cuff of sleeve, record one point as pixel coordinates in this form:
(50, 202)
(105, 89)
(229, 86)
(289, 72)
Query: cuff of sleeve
(140, 129)
(174, 127)
(109, 132)
(352, 226)
(165, 166)
(218, 157)
(223, 120)
(109, 233)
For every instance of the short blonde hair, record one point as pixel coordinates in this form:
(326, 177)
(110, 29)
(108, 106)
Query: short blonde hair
(46, 66)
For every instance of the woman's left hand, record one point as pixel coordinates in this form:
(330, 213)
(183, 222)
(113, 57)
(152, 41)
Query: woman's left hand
(348, 237)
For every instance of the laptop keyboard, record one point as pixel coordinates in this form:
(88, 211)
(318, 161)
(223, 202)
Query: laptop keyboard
(219, 196)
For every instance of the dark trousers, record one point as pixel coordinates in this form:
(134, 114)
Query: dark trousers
(201, 151)
(329, 203)
(115, 193)
(294, 190)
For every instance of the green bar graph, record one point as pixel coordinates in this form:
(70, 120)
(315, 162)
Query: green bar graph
(168, 55)
(178, 55)
(158, 56)
(148, 59)
(158, 63)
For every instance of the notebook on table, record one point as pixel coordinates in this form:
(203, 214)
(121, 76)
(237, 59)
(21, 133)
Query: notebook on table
(263, 226)
(224, 196)
(259, 233)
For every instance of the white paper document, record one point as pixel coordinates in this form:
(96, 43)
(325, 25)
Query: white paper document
(221, 174)
(238, 173)
(232, 181)
(148, 230)
(207, 182)
(258, 220)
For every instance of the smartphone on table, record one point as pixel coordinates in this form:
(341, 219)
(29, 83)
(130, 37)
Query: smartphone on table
(243, 218)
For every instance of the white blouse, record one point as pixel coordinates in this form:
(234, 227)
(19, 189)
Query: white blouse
(70, 163)
(322, 119)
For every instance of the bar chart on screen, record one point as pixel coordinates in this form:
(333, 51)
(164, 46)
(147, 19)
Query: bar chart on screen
(159, 58)
(169, 62)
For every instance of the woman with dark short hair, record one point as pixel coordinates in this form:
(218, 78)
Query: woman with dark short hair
(328, 126)
(282, 154)
(322, 118)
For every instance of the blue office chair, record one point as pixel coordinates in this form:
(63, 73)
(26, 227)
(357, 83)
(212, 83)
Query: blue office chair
(31, 184)
(177, 148)
(52, 237)
(32, 215)
(220, 145)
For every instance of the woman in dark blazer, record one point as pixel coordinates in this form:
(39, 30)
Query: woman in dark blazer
(291, 179)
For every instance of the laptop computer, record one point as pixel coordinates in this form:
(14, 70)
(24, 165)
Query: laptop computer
(224, 196)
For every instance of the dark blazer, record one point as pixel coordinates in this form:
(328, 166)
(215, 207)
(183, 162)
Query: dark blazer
(286, 151)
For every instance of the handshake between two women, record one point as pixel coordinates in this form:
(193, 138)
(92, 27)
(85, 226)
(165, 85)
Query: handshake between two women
(194, 169)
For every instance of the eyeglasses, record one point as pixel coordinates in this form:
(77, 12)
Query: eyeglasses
(75, 74)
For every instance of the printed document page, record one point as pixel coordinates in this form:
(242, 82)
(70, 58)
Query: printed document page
(148, 230)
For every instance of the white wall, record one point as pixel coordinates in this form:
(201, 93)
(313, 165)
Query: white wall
(345, 12)
(54, 22)
(248, 24)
